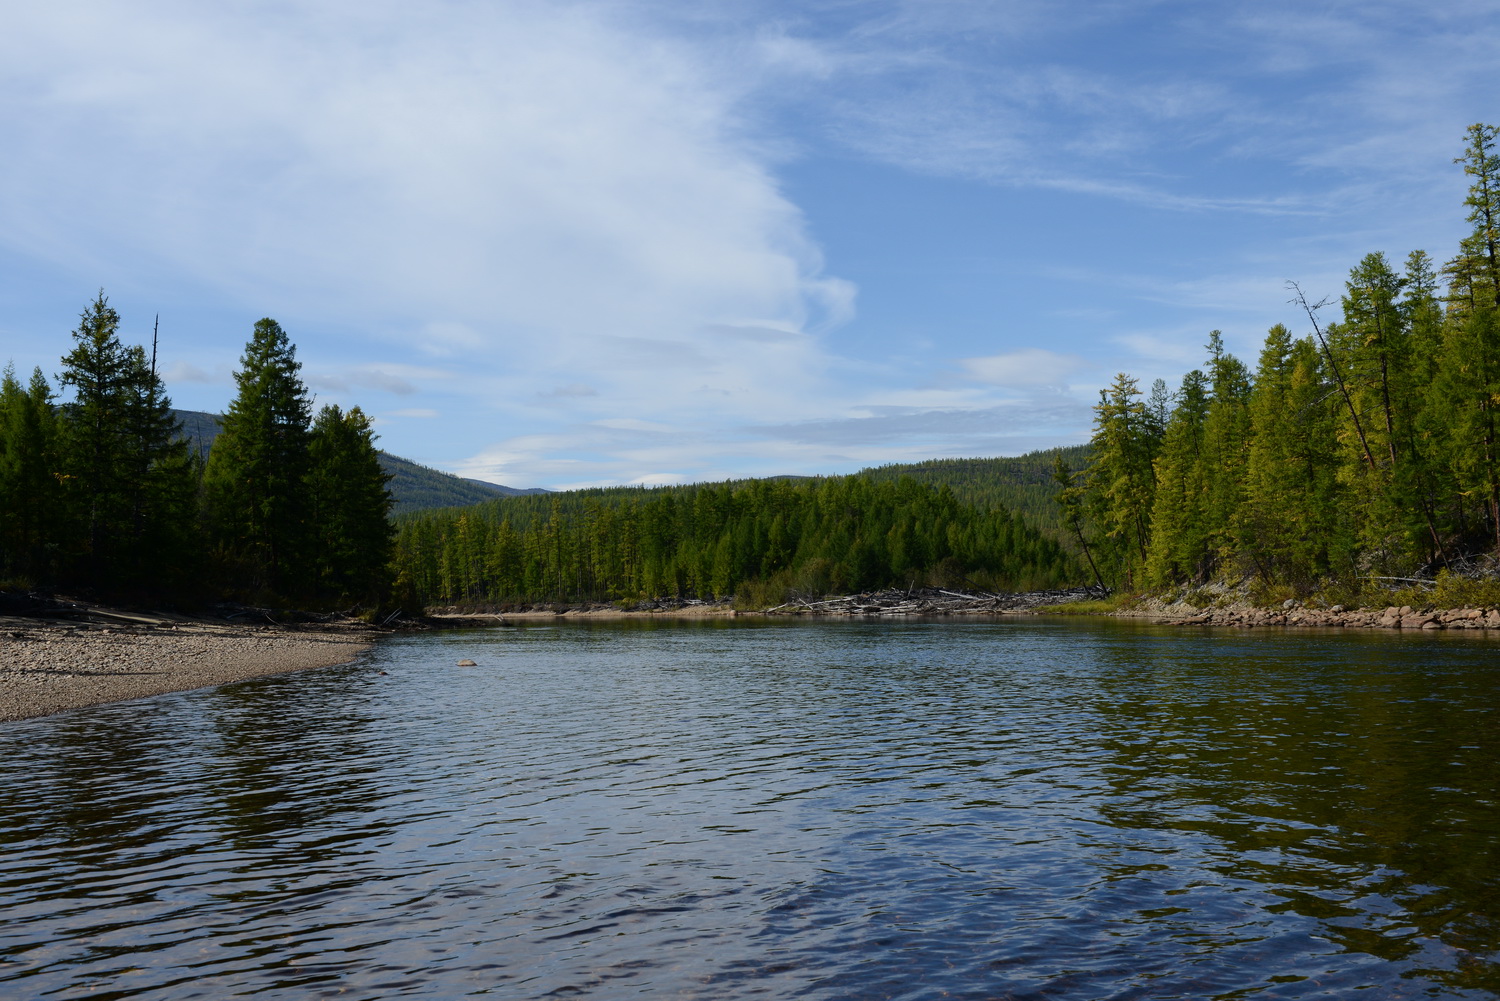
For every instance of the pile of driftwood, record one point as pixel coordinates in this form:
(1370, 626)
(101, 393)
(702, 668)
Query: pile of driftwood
(935, 601)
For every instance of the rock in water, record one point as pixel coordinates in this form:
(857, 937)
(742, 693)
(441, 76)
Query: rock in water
(467, 663)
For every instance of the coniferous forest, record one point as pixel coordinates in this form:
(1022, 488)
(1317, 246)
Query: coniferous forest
(758, 540)
(102, 493)
(1366, 451)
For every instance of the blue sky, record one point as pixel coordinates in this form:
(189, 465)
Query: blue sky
(562, 244)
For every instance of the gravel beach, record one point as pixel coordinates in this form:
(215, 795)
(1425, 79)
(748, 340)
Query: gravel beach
(47, 666)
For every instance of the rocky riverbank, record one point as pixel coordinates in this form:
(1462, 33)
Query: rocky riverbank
(83, 655)
(1337, 617)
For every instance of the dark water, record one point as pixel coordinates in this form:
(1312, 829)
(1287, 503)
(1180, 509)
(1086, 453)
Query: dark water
(1023, 809)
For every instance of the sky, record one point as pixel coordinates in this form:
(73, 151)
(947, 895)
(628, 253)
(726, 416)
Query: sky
(565, 244)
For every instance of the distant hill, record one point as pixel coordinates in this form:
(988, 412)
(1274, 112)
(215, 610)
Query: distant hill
(415, 487)
(1022, 484)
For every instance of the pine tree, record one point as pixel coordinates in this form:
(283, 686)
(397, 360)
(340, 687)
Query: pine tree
(255, 501)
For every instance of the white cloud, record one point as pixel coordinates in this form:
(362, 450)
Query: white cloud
(624, 452)
(1029, 368)
(575, 211)
(516, 180)
(187, 372)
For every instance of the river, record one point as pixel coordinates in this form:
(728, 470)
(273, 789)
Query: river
(1023, 808)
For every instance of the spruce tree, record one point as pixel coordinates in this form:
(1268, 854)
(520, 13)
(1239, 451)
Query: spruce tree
(349, 508)
(255, 502)
(128, 482)
(95, 464)
(29, 492)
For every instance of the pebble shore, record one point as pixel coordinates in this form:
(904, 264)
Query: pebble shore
(1404, 617)
(47, 666)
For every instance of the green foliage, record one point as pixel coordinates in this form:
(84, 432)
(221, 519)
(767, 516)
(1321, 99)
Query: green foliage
(1371, 452)
(774, 537)
(1455, 591)
(1122, 477)
(348, 506)
(1022, 485)
(126, 475)
(102, 491)
(30, 493)
(253, 498)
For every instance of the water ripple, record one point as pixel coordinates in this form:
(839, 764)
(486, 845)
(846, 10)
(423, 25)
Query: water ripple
(765, 810)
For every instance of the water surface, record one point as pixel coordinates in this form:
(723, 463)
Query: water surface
(737, 809)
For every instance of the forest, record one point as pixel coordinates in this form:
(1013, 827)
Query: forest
(756, 540)
(104, 495)
(1364, 453)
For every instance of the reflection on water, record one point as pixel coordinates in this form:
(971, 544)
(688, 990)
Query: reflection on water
(1023, 809)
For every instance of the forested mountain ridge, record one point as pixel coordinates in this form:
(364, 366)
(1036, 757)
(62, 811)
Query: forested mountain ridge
(1022, 484)
(413, 486)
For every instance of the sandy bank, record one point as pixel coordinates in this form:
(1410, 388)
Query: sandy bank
(47, 666)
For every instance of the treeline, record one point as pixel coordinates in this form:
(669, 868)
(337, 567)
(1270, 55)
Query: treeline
(758, 540)
(1369, 448)
(102, 492)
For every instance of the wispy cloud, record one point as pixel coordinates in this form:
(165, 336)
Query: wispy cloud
(582, 232)
(1029, 368)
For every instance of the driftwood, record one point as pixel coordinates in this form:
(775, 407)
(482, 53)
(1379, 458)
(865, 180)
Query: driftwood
(935, 601)
(892, 601)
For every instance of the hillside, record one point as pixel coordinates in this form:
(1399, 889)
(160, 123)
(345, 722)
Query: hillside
(1021, 484)
(415, 487)
(757, 540)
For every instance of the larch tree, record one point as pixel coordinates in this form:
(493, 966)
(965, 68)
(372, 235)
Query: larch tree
(1121, 478)
(1226, 441)
(1481, 248)
(1179, 548)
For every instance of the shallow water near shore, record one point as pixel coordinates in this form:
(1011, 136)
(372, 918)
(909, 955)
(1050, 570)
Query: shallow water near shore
(1026, 808)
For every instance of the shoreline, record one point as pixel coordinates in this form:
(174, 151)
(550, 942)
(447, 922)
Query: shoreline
(1244, 616)
(890, 605)
(49, 666)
